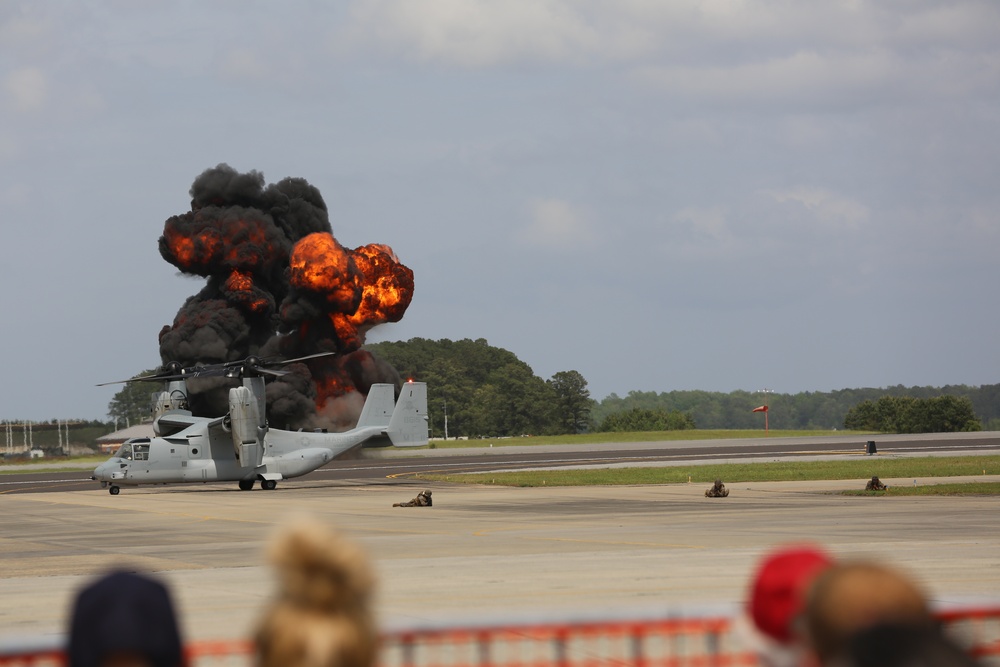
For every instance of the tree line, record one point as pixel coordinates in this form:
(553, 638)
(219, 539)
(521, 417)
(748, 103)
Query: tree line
(810, 410)
(486, 391)
(489, 391)
(906, 414)
(478, 390)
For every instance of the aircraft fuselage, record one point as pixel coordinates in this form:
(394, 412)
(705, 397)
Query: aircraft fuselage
(240, 447)
(199, 457)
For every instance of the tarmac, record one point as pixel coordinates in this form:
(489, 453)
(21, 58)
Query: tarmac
(482, 551)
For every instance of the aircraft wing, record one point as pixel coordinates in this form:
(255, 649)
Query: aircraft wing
(176, 421)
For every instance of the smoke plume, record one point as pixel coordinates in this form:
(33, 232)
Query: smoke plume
(279, 285)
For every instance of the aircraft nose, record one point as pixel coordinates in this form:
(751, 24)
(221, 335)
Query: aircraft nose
(100, 473)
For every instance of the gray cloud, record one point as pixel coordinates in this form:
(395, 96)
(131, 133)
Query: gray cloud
(592, 185)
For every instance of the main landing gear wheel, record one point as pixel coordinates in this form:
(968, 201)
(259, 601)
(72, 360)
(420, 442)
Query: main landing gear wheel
(268, 484)
(114, 490)
(246, 484)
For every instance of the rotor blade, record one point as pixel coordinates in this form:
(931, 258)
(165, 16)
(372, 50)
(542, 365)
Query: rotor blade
(204, 372)
(231, 369)
(198, 372)
(156, 377)
(311, 356)
(105, 384)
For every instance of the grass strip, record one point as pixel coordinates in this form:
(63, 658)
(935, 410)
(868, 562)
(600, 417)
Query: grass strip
(860, 467)
(21, 466)
(637, 436)
(950, 489)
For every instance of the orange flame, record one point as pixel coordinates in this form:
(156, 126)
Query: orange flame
(193, 253)
(387, 287)
(240, 287)
(319, 264)
(201, 244)
(347, 332)
(239, 282)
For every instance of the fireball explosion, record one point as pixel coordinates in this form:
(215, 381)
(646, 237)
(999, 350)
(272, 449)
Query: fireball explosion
(279, 285)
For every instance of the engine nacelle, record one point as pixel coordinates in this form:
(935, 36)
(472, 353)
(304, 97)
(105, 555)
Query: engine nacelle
(174, 398)
(244, 418)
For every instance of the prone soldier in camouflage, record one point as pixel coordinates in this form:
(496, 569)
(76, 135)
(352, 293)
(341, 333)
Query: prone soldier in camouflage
(718, 490)
(423, 499)
(875, 484)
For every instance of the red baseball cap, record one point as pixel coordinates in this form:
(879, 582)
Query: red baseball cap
(778, 589)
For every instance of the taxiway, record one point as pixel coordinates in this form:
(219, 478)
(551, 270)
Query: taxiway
(480, 551)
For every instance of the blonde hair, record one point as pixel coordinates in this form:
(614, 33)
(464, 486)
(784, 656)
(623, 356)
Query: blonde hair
(852, 596)
(322, 615)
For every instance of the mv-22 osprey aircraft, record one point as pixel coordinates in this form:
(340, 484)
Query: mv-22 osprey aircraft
(239, 446)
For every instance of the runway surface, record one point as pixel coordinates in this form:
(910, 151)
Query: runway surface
(479, 550)
(384, 465)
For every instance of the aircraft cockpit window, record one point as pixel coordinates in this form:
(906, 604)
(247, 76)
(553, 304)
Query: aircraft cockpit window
(134, 448)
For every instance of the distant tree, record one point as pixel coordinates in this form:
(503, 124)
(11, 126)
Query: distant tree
(573, 402)
(906, 414)
(863, 417)
(812, 410)
(131, 404)
(641, 419)
(458, 374)
(486, 390)
(944, 414)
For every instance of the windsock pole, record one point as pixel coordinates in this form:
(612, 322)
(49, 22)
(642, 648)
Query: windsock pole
(764, 408)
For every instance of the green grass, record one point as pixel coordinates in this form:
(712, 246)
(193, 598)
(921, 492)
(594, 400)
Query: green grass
(860, 467)
(17, 466)
(959, 489)
(632, 436)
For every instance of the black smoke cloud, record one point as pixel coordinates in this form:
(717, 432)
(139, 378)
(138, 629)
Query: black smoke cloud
(239, 235)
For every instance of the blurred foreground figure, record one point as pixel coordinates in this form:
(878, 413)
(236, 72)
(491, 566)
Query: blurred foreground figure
(894, 645)
(124, 620)
(776, 602)
(322, 614)
(855, 596)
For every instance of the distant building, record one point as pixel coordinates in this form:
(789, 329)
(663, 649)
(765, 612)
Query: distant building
(108, 444)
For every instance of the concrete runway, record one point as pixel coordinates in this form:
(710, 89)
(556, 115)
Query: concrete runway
(480, 550)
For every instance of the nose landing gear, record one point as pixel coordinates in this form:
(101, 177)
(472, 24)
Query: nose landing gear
(114, 490)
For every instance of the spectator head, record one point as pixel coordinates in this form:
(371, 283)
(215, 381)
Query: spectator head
(778, 590)
(322, 615)
(904, 645)
(124, 620)
(850, 597)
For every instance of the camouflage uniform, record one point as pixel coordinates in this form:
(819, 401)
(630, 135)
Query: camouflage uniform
(718, 490)
(423, 499)
(875, 484)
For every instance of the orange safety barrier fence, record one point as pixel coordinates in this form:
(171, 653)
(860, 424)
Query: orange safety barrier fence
(657, 642)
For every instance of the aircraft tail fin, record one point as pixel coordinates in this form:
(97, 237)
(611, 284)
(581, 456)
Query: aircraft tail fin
(378, 407)
(408, 426)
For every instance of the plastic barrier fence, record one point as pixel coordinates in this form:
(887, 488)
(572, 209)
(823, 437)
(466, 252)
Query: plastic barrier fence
(669, 642)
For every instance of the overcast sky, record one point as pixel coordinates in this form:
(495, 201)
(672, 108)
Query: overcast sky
(693, 194)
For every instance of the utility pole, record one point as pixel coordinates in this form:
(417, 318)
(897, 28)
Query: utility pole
(445, 419)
